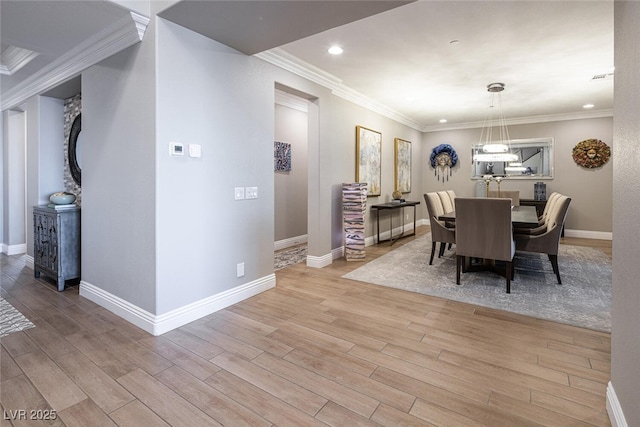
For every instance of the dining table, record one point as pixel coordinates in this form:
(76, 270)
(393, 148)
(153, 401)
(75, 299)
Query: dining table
(521, 216)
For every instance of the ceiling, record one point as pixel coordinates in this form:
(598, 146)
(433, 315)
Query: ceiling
(422, 61)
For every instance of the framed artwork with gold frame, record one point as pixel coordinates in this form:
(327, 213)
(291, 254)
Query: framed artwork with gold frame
(402, 163)
(369, 159)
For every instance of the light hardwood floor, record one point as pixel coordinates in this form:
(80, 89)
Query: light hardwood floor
(316, 350)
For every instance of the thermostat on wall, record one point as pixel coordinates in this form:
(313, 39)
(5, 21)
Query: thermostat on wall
(176, 149)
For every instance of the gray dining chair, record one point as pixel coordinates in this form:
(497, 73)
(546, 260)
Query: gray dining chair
(547, 242)
(440, 232)
(483, 230)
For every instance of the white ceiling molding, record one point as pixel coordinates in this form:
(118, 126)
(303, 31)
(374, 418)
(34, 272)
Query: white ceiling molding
(13, 58)
(284, 60)
(291, 63)
(525, 120)
(123, 34)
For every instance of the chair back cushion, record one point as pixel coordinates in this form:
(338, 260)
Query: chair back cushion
(483, 228)
(452, 196)
(447, 203)
(434, 205)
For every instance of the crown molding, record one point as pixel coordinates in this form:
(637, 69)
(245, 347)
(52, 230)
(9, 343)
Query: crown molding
(14, 58)
(126, 32)
(525, 120)
(295, 65)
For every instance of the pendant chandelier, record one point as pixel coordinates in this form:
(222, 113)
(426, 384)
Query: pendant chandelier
(495, 148)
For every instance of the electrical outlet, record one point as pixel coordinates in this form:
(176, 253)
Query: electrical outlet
(240, 269)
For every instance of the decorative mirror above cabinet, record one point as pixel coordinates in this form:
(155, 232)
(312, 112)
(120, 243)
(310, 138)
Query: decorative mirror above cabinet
(534, 160)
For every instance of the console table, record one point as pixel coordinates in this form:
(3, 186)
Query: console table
(390, 207)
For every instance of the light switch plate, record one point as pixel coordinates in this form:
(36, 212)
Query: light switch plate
(251, 192)
(239, 191)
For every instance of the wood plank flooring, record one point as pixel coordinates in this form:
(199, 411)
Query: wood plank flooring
(316, 350)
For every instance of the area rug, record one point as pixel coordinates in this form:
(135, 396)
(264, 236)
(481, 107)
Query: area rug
(583, 299)
(11, 320)
(287, 257)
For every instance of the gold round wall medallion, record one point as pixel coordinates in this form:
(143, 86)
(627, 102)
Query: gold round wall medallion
(591, 153)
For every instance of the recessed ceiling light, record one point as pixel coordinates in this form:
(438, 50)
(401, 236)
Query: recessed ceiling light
(587, 106)
(443, 120)
(335, 50)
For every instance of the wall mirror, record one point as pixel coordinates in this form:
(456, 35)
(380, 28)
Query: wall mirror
(75, 150)
(535, 155)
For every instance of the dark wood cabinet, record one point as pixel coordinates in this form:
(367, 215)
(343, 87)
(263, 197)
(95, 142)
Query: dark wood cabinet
(56, 250)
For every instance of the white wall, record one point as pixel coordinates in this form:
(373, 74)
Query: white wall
(622, 394)
(14, 190)
(45, 154)
(223, 101)
(119, 176)
(291, 126)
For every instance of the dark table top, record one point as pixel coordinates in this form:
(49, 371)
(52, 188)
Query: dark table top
(521, 216)
(391, 205)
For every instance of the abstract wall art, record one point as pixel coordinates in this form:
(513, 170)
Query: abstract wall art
(282, 156)
(368, 163)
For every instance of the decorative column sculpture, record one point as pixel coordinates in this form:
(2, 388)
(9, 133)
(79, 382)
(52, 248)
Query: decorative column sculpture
(354, 206)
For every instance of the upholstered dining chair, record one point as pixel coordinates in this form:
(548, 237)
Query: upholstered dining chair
(542, 219)
(514, 195)
(549, 241)
(483, 230)
(550, 201)
(440, 232)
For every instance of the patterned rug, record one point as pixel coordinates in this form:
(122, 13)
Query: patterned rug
(583, 299)
(287, 257)
(11, 320)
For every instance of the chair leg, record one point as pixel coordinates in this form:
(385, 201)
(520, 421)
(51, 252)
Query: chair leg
(509, 274)
(554, 264)
(433, 250)
(442, 246)
(459, 260)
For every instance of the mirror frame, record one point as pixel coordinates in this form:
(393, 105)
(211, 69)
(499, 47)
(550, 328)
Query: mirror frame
(546, 144)
(74, 167)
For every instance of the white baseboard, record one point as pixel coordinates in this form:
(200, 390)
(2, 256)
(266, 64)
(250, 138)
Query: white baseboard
(159, 324)
(586, 234)
(18, 249)
(320, 261)
(616, 416)
(28, 261)
(287, 243)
